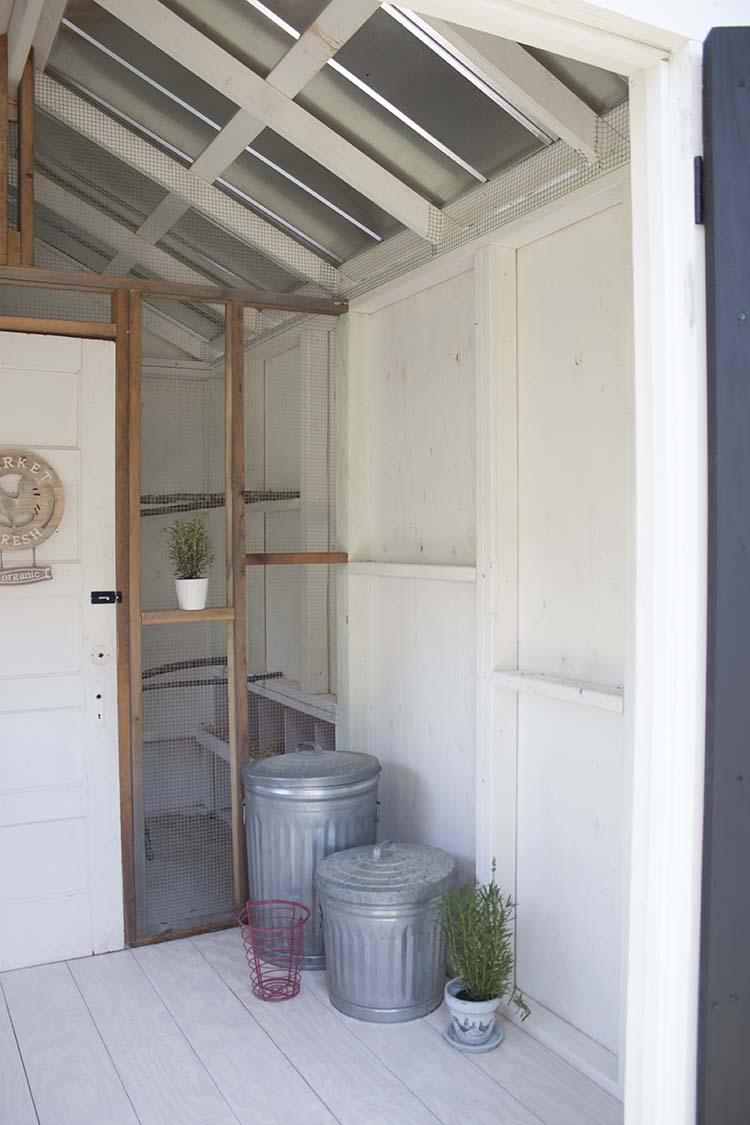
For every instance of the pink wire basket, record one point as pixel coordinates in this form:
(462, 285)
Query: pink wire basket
(272, 931)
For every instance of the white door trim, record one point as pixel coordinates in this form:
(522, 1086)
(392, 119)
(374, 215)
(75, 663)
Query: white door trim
(668, 704)
(671, 595)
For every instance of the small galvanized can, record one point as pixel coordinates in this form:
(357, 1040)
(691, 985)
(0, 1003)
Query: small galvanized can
(385, 951)
(300, 807)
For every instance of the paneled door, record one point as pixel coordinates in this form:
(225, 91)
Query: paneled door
(60, 853)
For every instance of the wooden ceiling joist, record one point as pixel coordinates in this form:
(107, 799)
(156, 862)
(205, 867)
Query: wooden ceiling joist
(172, 290)
(155, 319)
(274, 109)
(333, 27)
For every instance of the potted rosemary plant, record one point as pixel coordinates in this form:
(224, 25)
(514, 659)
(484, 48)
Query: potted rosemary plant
(192, 555)
(477, 921)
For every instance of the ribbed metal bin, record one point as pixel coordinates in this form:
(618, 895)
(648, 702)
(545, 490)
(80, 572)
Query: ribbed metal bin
(299, 808)
(384, 945)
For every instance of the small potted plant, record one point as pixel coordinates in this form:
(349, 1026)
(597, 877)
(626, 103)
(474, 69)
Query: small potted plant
(192, 555)
(477, 922)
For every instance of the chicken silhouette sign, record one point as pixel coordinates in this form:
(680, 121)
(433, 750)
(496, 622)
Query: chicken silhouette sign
(31, 507)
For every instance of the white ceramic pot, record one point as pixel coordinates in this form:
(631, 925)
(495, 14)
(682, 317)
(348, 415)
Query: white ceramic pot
(191, 592)
(473, 1020)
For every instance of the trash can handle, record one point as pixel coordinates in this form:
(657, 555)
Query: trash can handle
(313, 747)
(377, 851)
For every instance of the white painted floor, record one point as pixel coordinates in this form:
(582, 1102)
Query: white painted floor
(172, 1034)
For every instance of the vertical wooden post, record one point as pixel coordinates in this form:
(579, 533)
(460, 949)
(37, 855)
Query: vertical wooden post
(120, 305)
(234, 369)
(3, 150)
(26, 161)
(134, 598)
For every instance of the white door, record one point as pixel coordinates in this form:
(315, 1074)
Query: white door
(60, 857)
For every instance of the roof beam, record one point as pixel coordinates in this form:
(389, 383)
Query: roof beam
(46, 30)
(274, 109)
(80, 115)
(563, 26)
(524, 81)
(21, 30)
(333, 27)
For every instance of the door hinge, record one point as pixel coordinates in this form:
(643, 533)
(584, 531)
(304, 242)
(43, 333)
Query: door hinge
(106, 597)
(698, 189)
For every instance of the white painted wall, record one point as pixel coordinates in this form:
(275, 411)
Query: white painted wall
(561, 552)
(408, 676)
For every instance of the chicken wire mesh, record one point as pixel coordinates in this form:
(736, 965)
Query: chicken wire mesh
(186, 812)
(290, 453)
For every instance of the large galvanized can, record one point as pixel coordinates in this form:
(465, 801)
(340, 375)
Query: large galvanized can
(385, 951)
(299, 808)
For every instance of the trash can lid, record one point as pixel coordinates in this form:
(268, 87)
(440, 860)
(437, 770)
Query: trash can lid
(386, 874)
(312, 766)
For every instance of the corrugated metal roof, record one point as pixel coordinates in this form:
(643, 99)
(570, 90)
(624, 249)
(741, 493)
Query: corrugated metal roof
(387, 92)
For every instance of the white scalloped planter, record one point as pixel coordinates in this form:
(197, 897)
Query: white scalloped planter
(473, 1021)
(192, 593)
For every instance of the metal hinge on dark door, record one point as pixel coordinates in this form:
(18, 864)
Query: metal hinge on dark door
(698, 189)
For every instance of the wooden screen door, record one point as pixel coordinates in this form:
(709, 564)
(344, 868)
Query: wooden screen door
(60, 856)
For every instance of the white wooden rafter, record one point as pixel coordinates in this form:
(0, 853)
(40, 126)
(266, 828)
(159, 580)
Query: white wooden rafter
(527, 85)
(276, 110)
(567, 27)
(46, 30)
(68, 107)
(22, 26)
(333, 27)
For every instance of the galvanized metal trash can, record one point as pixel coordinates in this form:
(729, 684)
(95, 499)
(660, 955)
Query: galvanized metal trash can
(299, 808)
(385, 950)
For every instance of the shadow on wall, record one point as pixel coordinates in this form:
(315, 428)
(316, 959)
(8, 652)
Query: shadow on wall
(406, 815)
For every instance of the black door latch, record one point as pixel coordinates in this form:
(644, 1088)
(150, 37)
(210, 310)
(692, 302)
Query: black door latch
(106, 597)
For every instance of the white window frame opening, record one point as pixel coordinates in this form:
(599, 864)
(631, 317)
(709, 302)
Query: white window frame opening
(664, 701)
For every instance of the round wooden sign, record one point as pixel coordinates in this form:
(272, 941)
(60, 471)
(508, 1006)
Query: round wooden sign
(31, 500)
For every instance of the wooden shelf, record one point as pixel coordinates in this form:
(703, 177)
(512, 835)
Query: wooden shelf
(289, 694)
(603, 696)
(186, 616)
(297, 558)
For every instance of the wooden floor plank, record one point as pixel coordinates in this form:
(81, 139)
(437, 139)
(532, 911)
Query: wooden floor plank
(355, 1085)
(257, 1080)
(441, 1077)
(167, 1083)
(71, 1075)
(16, 1104)
(553, 1089)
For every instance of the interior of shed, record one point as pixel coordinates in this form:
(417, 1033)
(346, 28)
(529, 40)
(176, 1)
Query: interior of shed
(463, 433)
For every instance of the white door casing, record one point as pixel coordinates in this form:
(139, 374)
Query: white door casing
(60, 851)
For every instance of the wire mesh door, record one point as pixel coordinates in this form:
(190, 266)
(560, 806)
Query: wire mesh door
(186, 451)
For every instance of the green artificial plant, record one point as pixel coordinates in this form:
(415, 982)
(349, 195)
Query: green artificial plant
(190, 548)
(478, 924)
